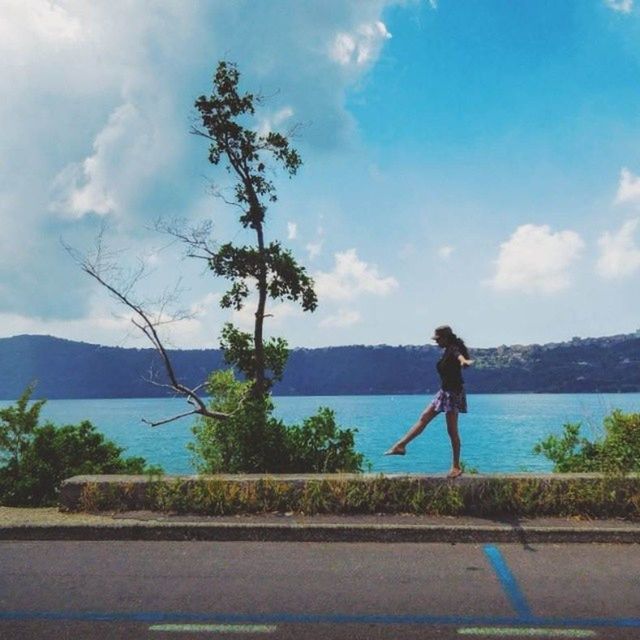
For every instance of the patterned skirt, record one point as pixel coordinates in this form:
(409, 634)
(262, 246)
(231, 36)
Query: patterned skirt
(450, 401)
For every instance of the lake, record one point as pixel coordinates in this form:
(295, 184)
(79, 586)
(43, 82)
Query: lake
(497, 434)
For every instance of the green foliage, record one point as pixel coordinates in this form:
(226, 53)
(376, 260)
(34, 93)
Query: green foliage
(251, 440)
(318, 445)
(243, 148)
(238, 350)
(285, 278)
(617, 451)
(248, 441)
(17, 424)
(467, 469)
(38, 457)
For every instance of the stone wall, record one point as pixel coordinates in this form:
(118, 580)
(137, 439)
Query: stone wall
(526, 495)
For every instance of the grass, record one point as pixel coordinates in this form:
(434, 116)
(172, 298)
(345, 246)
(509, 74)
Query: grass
(592, 496)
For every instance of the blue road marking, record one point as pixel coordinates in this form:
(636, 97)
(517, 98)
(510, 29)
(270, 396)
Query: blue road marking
(303, 618)
(508, 581)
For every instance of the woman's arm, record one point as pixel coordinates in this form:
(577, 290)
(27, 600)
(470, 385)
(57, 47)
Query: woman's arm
(465, 362)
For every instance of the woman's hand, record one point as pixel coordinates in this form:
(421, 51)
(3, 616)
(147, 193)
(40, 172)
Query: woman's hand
(465, 362)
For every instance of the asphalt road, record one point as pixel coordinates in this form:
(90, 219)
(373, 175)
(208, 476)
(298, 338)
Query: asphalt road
(134, 590)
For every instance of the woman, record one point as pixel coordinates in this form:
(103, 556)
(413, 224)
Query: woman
(451, 399)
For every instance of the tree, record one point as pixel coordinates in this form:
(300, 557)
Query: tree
(237, 431)
(267, 267)
(271, 269)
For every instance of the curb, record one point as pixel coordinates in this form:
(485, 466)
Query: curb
(320, 533)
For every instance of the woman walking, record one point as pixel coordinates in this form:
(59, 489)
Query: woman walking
(450, 400)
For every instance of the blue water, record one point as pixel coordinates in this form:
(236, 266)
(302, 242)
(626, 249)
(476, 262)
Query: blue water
(497, 434)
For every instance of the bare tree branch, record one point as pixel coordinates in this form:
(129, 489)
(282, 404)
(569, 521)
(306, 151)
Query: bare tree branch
(216, 193)
(196, 238)
(167, 420)
(105, 273)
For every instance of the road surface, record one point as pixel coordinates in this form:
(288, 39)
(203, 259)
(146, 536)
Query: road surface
(288, 590)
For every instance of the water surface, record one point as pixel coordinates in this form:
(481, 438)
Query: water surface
(497, 434)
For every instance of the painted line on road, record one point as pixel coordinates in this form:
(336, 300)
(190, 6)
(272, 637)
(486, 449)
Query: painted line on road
(174, 617)
(508, 581)
(214, 628)
(539, 632)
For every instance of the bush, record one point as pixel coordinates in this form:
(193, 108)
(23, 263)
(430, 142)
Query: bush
(617, 451)
(249, 441)
(38, 457)
(252, 440)
(320, 446)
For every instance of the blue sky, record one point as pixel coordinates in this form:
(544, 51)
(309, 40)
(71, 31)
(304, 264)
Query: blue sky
(470, 163)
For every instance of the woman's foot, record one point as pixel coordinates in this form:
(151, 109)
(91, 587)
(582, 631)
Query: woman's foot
(396, 450)
(454, 473)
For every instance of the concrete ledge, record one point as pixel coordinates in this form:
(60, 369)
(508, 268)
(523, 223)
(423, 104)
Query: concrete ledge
(516, 495)
(326, 532)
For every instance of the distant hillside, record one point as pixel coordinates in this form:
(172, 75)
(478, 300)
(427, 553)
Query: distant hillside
(66, 369)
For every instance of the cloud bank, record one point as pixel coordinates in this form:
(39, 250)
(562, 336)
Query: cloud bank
(536, 260)
(97, 105)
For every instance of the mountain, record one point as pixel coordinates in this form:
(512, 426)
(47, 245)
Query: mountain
(67, 369)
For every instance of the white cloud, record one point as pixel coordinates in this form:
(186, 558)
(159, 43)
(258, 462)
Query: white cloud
(534, 259)
(292, 230)
(131, 149)
(344, 318)
(350, 278)
(628, 187)
(619, 253)
(37, 21)
(277, 314)
(621, 6)
(272, 122)
(99, 325)
(445, 252)
(360, 46)
(205, 304)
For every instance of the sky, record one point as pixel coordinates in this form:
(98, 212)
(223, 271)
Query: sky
(473, 163)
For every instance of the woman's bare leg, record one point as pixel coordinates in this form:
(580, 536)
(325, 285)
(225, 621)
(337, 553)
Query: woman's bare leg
(452, 430)
(416, 429)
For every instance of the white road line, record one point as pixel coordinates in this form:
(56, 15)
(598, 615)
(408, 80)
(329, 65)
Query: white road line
(214, 628)
(538, 632)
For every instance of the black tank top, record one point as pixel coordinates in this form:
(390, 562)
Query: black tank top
(450, 369)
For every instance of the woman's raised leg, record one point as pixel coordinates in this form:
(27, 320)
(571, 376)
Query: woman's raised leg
(399, 448)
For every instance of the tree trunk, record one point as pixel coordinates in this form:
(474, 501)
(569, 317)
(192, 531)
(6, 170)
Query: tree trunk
(257, 216)
(258, 340)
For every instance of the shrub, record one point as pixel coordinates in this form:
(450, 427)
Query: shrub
(252, 440)
(318, 445)
(38, 457)
(617, 451)
(249, 441)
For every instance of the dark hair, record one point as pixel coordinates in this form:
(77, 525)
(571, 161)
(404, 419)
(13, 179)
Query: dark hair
(447, 333)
